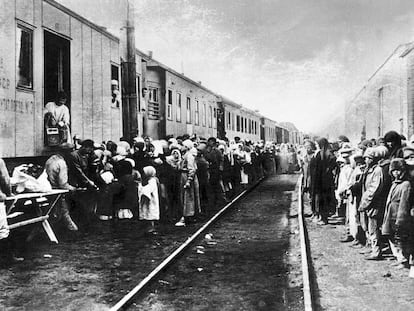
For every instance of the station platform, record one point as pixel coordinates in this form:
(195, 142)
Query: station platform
(344, 280)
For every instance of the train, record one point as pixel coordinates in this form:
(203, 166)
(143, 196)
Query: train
(114, 90)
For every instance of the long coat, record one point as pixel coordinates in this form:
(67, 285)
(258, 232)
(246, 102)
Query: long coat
(190, 196)
(397, 210)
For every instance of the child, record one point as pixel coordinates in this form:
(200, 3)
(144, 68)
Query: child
(397, 219)
(149, 208)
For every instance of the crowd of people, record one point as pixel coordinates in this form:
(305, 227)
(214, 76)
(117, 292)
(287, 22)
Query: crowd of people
(368, 186)
(174, 181)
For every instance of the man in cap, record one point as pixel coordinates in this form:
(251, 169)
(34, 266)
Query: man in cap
(215, 160)
(372, 201)
(57, 172)
(78, 163)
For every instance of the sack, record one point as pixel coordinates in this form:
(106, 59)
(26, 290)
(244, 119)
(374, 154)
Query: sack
(27, 183)
(125, 214)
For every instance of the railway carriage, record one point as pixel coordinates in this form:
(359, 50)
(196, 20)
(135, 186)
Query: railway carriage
(113, 89)
(177, 105)
(46, 48)
(267, 130)
(238, 121)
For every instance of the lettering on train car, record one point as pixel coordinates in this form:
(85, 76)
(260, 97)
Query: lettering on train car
(4, 82)
(8, 104)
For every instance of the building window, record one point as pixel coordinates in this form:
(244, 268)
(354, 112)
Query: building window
(245, 125)
(197, 113)
(170, 105)
(188, 110)
(153, 104)
(232, 121)
(178, 114)
(24, 61)
(210, 116)
(215, 118)
(242, 124)
(116, 95)
(238, 123)
(203, 114)
(229, 120)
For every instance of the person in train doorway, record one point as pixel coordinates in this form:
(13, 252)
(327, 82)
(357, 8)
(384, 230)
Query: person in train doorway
(215, 159)
(57, 115)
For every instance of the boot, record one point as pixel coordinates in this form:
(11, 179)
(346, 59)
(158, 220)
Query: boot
(67, 220)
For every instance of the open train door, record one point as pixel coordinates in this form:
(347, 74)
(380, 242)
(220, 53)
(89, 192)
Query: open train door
(56, 77)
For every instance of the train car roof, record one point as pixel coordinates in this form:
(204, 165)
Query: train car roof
(82, 19)
(154, 63)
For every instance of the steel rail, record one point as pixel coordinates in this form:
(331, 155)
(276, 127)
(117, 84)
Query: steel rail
(307, 289)
(121, 303)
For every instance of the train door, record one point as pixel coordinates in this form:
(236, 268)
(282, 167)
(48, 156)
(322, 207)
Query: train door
(56, 77)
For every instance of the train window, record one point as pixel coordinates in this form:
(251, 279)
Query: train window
(170, 105)
(204, 114)
(188, 109)
(24, 61)
(116, 95)
(153, 95)
(153, 105)
(197, 113)
(210, 116)
(178, 114)
(215, 118)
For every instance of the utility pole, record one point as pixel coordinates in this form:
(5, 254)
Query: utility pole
(129, 82)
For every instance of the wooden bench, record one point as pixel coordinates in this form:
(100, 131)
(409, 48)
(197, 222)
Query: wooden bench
(47, 200)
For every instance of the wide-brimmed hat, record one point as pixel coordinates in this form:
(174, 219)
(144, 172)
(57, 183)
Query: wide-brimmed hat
(346, 150)
(369, 153)
(407, 152)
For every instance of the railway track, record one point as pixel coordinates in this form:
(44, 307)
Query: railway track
(307, 303)
(121, 304)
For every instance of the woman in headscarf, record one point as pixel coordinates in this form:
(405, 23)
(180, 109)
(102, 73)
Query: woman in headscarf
(190, 197)
(393, 142)
(174, 161)
(149, 208)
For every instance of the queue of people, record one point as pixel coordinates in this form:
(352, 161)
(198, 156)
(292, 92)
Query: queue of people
(173, 181)
(368, 188)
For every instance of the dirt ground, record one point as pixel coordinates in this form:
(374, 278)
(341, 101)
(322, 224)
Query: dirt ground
(346, 281)
(252, 266)
(252, 261)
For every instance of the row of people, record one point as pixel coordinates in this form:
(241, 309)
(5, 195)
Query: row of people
(370, 186)
(172, 180)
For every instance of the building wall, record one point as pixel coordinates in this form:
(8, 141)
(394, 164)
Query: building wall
(381, 105)
(91, 53)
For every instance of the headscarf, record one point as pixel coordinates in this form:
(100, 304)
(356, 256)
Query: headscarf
(188, 144)
(149, 171)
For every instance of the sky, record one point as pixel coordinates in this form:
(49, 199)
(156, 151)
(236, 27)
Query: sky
(299, 61)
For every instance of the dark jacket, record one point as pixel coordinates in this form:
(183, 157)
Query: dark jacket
(397, 210)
